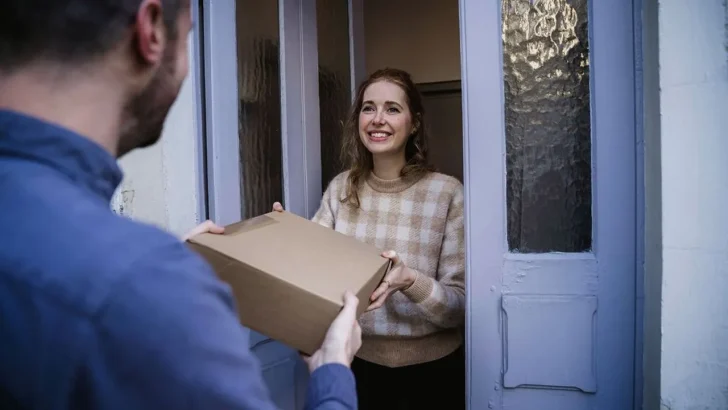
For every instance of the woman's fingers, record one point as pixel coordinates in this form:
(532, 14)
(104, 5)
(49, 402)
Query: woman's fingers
(379, 291)
(392, 255)
(379, 302)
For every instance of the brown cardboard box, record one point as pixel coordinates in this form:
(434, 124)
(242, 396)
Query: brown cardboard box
(289, 274)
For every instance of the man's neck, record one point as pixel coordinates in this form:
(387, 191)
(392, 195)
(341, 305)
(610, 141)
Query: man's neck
(81, 102)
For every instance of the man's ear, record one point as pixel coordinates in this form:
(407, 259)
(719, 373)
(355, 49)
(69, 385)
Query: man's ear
(150, 33)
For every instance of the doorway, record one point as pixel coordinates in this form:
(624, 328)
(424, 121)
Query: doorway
(537, 120)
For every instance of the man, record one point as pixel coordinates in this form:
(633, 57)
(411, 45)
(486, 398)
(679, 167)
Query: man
(97, 311)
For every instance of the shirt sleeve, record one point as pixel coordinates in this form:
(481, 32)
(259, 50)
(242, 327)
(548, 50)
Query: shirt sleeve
(169, 337)
(332, 387)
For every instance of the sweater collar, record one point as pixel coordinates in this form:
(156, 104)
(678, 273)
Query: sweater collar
(390, 186)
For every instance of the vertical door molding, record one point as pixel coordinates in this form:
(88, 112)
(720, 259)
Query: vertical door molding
(197, 78)
(221, 107)
(357, 51)
(483, 150)
(300, 119)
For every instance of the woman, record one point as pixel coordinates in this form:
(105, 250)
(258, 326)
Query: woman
(390, 197)
(412, 354)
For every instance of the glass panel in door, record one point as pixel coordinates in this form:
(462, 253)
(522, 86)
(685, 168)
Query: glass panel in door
(259, 130)
(548, 128)
(332, 18)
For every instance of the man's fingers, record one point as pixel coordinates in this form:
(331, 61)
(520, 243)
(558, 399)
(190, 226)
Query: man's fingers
(207, 226)
(347, 313)
(216, 229)
(350, 303)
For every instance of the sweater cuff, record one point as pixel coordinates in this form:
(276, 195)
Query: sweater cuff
(420, 290)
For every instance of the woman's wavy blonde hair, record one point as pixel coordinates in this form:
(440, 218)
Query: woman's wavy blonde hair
(357, 158)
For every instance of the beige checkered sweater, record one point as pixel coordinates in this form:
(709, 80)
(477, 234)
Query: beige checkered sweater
(423, 222)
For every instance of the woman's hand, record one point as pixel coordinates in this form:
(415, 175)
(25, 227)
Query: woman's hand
(277, 207)
(400, 277)
(205, 227)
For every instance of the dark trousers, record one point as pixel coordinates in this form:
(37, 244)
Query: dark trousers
(435, 385)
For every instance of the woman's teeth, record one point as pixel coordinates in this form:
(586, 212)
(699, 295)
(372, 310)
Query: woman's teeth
(378, 136)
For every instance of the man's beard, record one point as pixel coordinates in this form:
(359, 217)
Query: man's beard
(144, 116)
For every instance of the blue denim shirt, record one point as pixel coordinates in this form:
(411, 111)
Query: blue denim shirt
(98, 311)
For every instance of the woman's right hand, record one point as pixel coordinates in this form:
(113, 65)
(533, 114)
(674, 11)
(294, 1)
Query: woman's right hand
(205, 227)
(277, 207)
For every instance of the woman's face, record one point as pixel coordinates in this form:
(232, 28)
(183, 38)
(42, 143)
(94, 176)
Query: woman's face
(385, 120)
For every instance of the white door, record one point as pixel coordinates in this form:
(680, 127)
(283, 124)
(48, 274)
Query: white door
(263, 125)
(549, 125)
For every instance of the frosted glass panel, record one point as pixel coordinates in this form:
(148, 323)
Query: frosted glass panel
(548, 130)
(332, 18)
(259, 129)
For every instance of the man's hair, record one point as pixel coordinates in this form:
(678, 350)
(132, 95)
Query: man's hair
(68, 31)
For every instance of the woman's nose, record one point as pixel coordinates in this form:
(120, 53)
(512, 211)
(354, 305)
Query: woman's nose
(378, 118)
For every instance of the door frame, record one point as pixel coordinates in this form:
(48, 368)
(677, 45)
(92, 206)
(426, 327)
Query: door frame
(482, 91)
(482, 156)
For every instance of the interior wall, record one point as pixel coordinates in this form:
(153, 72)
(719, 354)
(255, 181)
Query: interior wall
(421, 37)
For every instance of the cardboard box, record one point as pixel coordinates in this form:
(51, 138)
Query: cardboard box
(289, 274)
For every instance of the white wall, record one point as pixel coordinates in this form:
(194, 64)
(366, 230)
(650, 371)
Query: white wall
(693, 151)
(421, 37)
(161, 183)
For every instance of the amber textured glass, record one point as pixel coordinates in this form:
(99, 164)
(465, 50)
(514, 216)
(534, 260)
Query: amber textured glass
(332, 17)
(548, 129)
(259, 128)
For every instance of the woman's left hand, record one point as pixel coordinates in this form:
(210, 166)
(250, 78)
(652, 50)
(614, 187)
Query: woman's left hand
(399, 277)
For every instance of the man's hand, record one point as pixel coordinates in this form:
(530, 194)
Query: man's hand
(207, 226)
(342, 340)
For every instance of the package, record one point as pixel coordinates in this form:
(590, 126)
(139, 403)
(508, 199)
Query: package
(289, 274)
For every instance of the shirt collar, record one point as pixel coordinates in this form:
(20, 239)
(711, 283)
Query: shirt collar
(75, 156)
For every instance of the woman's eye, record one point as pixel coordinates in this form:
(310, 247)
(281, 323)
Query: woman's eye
(367, 109)
(393, 110)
